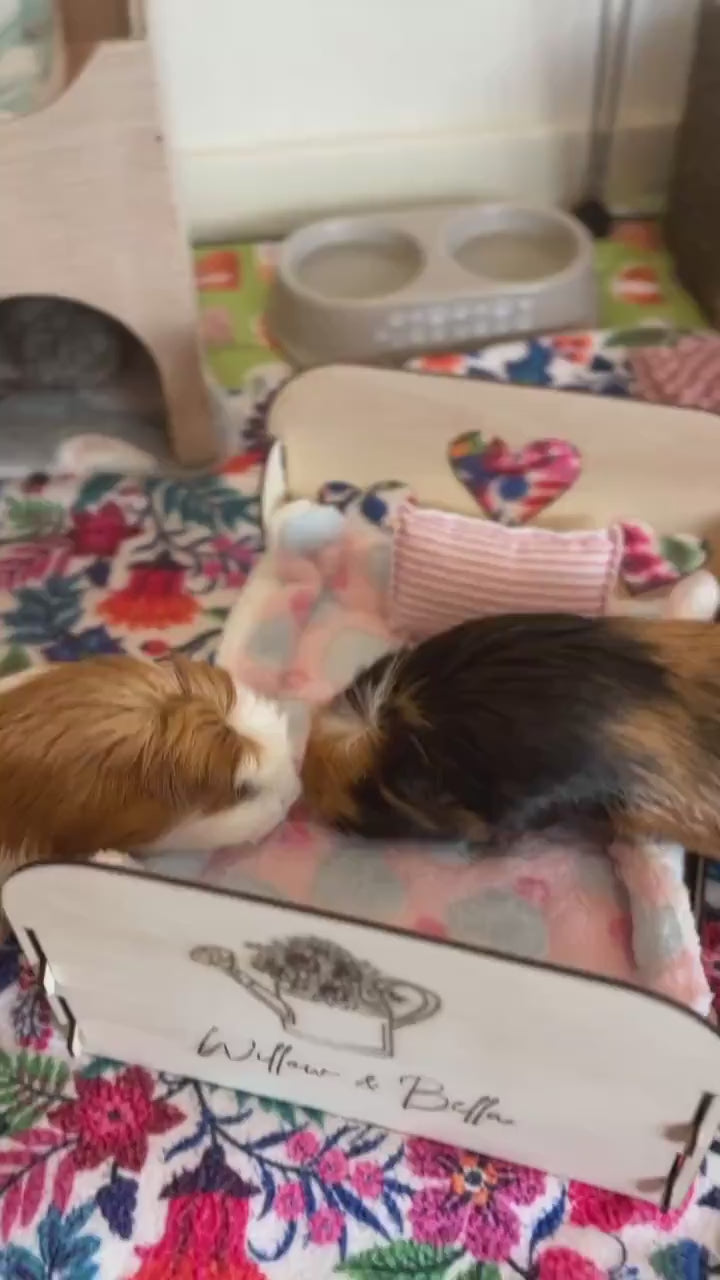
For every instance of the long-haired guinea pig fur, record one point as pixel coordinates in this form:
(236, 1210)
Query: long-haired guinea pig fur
(120, 753)
(511, 724)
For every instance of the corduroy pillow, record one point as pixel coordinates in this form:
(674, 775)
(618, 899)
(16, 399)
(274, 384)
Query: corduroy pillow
(448, 568)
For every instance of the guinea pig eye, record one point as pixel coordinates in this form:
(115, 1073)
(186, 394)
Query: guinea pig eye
(247, 791)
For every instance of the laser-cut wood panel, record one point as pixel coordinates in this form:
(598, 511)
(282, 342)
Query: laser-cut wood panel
(552, 1069)
(88, 210)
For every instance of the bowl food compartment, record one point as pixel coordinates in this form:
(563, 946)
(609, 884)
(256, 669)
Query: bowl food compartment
(352, 259)
(384, 287)
(513, 246)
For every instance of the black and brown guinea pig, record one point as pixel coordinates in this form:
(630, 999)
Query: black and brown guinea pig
(510, 724)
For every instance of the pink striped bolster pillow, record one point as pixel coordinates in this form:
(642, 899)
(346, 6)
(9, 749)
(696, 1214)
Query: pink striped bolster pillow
(447, 568)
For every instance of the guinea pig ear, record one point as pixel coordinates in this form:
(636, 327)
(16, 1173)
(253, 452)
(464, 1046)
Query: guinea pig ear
(198, 679)
(199, 760)
(193, 753)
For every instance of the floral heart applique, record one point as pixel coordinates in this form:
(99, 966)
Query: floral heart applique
(378, 503)
(652, 560)
(514, 485)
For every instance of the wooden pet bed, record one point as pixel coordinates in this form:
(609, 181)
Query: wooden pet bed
(561, 1070)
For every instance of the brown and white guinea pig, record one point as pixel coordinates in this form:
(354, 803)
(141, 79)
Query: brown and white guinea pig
(513, 723)
(120, 753)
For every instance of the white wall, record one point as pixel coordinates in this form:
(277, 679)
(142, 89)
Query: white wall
(280, 108)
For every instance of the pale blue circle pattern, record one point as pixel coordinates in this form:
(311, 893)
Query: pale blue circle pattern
(325, 607)
(360, 882)
(307, 531)
(298, 714)
(451, 855)
(597, 873)
(500, 920)
(378, 564)
(657, 937)
(240, 882)
(350, 651)
(274, 640)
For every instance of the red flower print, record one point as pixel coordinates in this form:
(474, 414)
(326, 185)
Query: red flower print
(218, 270)
(432, 1159)
(443, 363)
(301, 1147)
(333, 1166)
(289, 1203)
(326, 1226)
(154, 597)
(637, 234)
(35, 561)
(216, 327)
(638, 284)
(31, 1016)
(710, 937)
(155, 648)
(112, 1119)
(367, 1179)
(241, 462)
(566, 1264)
(474, 1201)
(610, 1211)
(642, 563)
(576, 347)
(230, 561)
(206, 1227)
(100, 533)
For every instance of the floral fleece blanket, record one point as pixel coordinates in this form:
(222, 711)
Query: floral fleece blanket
(112, 1171)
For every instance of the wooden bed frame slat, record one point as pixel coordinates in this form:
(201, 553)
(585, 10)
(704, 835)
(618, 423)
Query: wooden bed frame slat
(546, 1067)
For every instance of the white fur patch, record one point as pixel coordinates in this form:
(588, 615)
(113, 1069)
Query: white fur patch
(274, 779)
(114, 858)
(266, 724)
(375, 698)
(371, 698)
